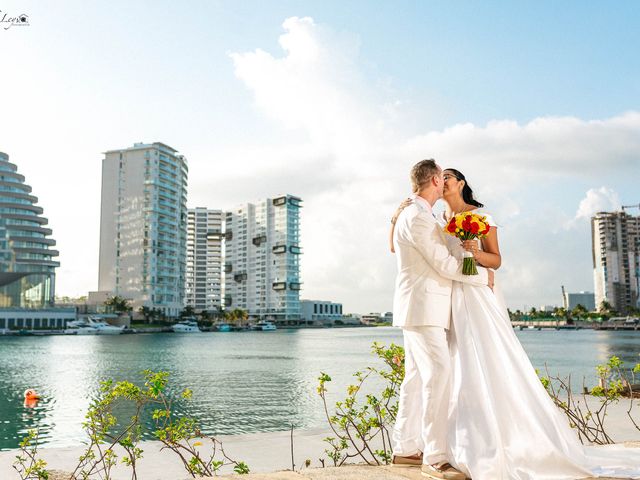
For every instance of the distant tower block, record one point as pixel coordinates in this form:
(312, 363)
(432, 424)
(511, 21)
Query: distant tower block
(143, 226)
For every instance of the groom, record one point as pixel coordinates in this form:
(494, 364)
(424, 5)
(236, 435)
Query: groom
(422, 307)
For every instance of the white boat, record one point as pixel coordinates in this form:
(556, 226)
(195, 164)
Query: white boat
(80, 330)
(92, 326)
(265, 326)
(186, 326)
(106, 329)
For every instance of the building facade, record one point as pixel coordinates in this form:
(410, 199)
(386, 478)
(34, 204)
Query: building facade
(204, 259)
(27, 265)
(38, 319)
(319, 311)
(143, 226)
(586, 299)
(262, 259)
(616, 259)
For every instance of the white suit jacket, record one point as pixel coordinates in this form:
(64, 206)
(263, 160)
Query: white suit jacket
(426, 269)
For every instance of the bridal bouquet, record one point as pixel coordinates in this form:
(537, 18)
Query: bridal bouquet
(468, 226)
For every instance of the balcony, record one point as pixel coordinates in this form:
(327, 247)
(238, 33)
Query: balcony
(277, 202)
(228, 268)
(296, 250)
(295, 286)
(294, 201)
(257, 241)
(214, 235)
(228, 235)
(279, 249)
(240, 277)
(280, 285)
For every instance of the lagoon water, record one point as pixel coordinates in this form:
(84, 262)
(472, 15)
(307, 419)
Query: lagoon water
(242, 382)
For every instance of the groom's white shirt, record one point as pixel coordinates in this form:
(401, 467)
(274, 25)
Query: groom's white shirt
(426, 269)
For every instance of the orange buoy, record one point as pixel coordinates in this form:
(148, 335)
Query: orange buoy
(31, 394)
(31, 398)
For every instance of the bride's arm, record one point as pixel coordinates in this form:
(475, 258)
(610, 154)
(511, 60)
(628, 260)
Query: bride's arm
(401, 207)
(489, 256)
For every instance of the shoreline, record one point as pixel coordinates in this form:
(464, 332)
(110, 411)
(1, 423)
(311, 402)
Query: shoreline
(517, 325)
(267, 454)
(167, 329)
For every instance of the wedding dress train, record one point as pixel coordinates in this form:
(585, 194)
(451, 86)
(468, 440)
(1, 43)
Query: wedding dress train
(504, 425)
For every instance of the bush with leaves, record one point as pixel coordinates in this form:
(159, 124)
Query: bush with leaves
(179, 434)
(587, 412)
(362, 421)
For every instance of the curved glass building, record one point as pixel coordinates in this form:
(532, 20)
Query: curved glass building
(27, 268)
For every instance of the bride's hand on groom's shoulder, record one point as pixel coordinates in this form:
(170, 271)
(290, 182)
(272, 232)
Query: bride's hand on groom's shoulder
(401, 207)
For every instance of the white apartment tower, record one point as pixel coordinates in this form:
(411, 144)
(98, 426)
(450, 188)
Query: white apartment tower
(616, 259)
(204, 260)
(262, 264)
(143, 226)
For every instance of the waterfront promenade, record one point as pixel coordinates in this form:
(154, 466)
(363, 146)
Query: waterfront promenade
(269, 455)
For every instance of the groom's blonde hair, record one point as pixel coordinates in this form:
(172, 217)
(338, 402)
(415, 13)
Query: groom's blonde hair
(422, 173)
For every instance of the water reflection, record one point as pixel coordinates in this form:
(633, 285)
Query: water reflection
(241, 382)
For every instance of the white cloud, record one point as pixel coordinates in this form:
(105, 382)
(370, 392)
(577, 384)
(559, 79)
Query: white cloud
(516, 170)
(334, 135)
(601, 199)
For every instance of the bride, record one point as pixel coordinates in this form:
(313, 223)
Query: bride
(503, 425)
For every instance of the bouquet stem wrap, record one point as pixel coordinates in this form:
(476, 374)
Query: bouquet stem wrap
(469, 266)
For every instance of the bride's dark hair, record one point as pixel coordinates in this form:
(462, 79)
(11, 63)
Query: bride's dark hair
(467, 193)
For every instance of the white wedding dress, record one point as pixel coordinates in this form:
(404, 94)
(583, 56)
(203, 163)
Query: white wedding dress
(504, 425)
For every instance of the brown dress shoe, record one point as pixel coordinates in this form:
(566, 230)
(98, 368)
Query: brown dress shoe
(412, 461)
(442, 471)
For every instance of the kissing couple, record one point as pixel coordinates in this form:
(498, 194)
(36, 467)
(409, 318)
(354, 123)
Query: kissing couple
(471, 404)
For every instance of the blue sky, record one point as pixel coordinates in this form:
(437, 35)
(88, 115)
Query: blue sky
(334, 101)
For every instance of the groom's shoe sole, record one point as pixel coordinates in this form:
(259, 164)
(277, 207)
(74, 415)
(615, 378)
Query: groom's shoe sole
(429, 472)
(406, 461)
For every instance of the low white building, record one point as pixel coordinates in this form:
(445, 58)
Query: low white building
(320, 311)
(36, 319)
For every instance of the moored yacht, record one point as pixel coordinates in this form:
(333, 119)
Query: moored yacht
(92, 326)
(186, 326)
(265, 326)
(104, 328)
(223, 327)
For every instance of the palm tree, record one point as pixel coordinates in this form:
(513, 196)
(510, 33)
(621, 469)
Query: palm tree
(118, 304)
(187, 311)
(230, 316)
(205, 316)
(579, 311)
(606, 309)
(240, 314)
(146, 313)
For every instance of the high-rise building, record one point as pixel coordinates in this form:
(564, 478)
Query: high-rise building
(262, 259)
(204, 260)
(616, 259)
(143, 226)
(27, 268)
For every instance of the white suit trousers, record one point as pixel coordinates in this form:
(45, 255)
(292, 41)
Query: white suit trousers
(421, 424)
